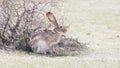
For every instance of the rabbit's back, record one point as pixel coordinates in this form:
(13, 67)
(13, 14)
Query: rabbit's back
(42, 41)
(50, 37)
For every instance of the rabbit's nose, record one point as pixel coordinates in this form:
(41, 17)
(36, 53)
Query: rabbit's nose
(64, 30)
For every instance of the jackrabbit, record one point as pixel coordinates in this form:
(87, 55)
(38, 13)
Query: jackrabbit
(42, 41)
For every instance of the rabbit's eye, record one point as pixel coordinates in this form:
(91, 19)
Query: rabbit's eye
(60, 26)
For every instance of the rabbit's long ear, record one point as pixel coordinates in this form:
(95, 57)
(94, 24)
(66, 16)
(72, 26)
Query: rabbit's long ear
(52, 19)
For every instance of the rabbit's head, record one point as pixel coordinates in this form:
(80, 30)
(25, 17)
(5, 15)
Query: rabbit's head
(53, 20)
(61, 29)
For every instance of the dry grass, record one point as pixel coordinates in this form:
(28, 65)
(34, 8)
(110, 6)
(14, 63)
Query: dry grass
(95, 22)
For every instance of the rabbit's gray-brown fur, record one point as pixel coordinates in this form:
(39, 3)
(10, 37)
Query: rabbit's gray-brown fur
(42, 41)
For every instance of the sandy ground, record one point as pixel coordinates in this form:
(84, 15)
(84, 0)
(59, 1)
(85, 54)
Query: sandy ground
(94, 22)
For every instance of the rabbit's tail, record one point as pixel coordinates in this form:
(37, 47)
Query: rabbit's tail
(42, 47)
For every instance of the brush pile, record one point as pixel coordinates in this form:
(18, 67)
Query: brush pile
(68, 46)
(19, 21)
